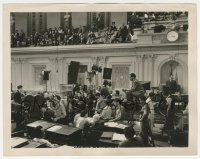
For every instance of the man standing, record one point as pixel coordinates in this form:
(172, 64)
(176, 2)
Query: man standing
(169, 121)
(151, 104)
(18, 95)
(171, 85)
(137, 88)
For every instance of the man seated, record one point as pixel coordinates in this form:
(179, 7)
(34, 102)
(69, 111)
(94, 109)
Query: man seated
(82, 121)
(119, 114)
(107, 110)
(59, 110)
(131, 139)
(100, 102)
(47, 114)
(137, 88)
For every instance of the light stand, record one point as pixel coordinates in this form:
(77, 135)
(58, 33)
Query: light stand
(45, 74)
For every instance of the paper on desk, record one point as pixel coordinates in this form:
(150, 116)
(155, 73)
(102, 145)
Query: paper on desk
(118, 137)
(121, 126)
(54, 128)
(35, 124)
(111, 124)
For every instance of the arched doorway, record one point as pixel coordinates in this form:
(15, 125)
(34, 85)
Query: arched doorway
(173, 68)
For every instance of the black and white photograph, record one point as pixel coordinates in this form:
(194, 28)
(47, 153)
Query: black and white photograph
(99, 79)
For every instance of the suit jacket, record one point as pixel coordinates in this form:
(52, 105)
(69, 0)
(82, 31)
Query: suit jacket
(18, 97)
(137, 86)
(172, 85)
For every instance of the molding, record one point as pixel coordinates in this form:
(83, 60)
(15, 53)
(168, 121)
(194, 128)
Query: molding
(100, 48)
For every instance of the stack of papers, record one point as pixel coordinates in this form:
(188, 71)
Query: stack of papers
(111, 124)
(54, 128)
(116, 125)
(121, 126)
(107, 135)
(118, 137)
(35, 124)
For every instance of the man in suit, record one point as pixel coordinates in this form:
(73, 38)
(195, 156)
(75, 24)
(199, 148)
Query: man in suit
(137, 88)
(171, 85)
(100, 102)
(18, 95)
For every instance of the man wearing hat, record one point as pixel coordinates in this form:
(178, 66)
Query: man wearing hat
(18, 95)
(137, 88)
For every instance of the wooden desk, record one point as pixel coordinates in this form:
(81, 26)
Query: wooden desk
(45, 125)
(106, 140)
(33, 144)
(107, 143)
(64, 135)
(17, 142)
(116, 128)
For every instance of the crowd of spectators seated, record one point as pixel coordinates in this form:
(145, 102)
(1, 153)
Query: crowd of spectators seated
(81, 35)
(91, 34)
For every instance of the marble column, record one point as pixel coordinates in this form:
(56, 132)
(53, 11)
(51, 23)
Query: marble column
(102, 63)
(94, 61)
(24, 73)
(140, 60)
(65, 68)
(14, 73)
(136, 67)
(51, 83)
(152, 59)
(145, 68)
(60, 69)
(17, 72)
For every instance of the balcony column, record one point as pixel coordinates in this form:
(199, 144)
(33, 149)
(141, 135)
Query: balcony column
(94, 61)
(102, 63)
(16, 73)
(24, 69)
(51, 84)
(65, 68)
(140, 60)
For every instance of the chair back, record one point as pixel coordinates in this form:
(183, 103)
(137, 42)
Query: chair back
(39, 101)
(28, 102)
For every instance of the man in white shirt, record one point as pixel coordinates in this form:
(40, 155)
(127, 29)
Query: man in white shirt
(152, 105)
(59, 110)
